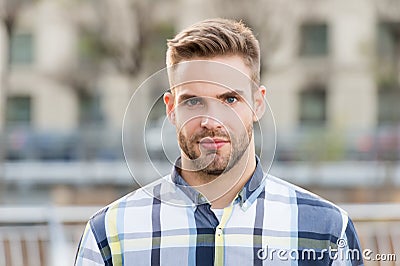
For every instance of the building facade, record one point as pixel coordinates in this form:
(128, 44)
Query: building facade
(331, 69)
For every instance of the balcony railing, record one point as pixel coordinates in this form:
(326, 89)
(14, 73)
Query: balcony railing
(326, 174)
(36, 236)
(99, 143)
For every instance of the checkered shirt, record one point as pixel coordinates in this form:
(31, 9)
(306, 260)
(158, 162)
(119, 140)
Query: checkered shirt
(270, 222)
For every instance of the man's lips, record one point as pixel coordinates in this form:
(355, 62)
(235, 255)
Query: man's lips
(212, 143)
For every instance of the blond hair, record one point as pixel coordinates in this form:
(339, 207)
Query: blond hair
(216, 37)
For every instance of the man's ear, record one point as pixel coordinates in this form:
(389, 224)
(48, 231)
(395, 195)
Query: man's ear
(169, 106)
(259, 103)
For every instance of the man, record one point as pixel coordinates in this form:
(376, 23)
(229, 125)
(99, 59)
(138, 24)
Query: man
(217, 207)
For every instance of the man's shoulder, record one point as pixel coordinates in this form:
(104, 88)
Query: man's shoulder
(160, 190)
(314, 214)
(301, 197)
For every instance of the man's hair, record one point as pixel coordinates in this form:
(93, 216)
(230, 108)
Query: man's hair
(216, 37)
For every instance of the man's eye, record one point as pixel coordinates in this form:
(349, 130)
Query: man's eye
(193, 101)
(231, 100)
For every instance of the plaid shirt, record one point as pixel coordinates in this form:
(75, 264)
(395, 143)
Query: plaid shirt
(270, 222)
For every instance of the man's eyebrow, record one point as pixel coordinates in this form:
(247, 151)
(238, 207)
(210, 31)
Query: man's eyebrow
(231, 93)
(184, 97)
(240, 93)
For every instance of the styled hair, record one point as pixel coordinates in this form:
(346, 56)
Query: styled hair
(216, 37)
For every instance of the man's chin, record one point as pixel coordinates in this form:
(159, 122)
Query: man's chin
(216, 168)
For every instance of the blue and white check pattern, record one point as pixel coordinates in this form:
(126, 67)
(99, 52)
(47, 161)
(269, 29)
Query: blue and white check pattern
(271, 222)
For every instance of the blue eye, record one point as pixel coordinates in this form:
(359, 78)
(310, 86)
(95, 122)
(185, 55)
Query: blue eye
(193, 101)
(231, 100)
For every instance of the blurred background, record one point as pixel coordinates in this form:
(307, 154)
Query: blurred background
(68, 69)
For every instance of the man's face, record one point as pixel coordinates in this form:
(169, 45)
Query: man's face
(212, 107)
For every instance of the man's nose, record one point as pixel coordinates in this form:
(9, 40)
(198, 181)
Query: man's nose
(214, 114)
(210, 122)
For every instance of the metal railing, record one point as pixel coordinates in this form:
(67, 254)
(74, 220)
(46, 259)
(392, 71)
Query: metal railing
(343, 173)
(378, 227)
(102, 143)
(39, 236)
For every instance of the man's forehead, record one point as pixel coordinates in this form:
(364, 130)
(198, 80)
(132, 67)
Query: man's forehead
(231, 74)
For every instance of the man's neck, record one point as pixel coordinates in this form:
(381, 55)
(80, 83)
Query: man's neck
(222, 190)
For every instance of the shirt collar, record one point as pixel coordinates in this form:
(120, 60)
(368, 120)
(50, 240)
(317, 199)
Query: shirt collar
(247, 195)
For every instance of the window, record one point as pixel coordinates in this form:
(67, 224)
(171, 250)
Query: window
(388, 51)
(21, 49)
(18, 110)
(154, 46)
(388, 106)
(314, 40)
(90, 49)
(313, 107)
(90, 110)
(389, 41)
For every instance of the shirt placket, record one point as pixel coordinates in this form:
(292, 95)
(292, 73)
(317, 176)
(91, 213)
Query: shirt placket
(220, 236)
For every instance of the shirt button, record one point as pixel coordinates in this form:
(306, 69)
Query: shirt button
(219, 231)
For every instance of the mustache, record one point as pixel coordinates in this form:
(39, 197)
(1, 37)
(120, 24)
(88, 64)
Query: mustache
(210, 133)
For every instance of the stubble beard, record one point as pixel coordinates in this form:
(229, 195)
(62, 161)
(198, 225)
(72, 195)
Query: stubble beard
(218, 163)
